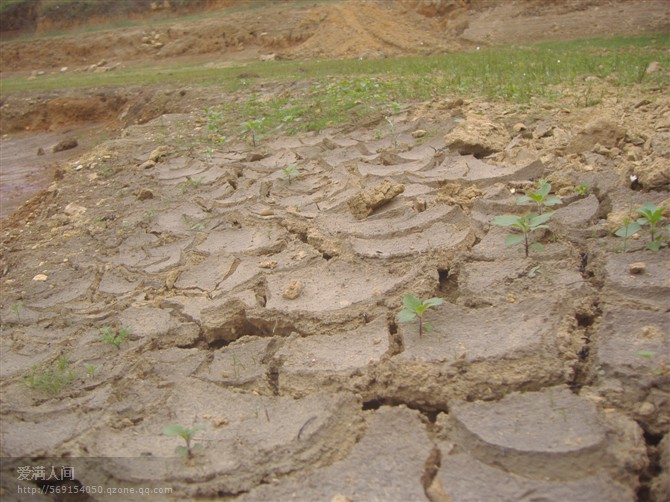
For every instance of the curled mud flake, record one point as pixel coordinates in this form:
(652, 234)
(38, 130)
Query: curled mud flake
(637, 268)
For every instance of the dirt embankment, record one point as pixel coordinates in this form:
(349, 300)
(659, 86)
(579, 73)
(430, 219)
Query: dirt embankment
(360, 29)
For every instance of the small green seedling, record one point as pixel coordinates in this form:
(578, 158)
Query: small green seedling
(629, 229)
(652, 215)
(540, 196)
(290, 172)
(186, 434)
(53, 379)
(414, 308)
(17, 308)
(114, 338)
(250, 128)
(190, 183)
(525, 224)
(582, 190)
(91, 369)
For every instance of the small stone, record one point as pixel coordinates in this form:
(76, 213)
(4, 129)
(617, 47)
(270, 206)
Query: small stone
(148, 164)
(220, 421)
(271, 264)
(159, 153)
(266, 212)
(66, 144)
(73, 209)
(293, 290)
(340, 498)
(654, 66)
(646, 409)
(419, 133)
(420, 205)
(145, 194)
(40, 151)
(637, 268)
(40, 278)
(519, 126)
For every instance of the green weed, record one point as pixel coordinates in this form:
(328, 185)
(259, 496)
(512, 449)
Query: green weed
(190, 183)
(540, 196)
(525, 224)
(17, 308)
(415, 308)
(290, 172)
(176, 430)
(52, 379)
(109, 335)
(651, 216)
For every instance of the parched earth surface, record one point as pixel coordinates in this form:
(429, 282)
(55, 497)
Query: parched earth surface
(263, 308)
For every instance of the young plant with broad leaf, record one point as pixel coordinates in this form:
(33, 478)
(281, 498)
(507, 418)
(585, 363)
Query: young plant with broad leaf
(540, 197)
(186, 434)
(290, 172)
(652, 215)
(415, 308)
(524, 224)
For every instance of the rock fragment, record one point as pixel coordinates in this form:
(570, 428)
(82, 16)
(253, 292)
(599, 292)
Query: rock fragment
(364, 203)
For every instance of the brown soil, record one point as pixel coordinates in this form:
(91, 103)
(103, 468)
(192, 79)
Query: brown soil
(245, 294)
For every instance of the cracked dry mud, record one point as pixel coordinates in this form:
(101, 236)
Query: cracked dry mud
(265, 311)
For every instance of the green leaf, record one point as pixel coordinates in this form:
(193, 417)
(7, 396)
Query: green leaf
(552, 201)
(176, 430)
(524, 199)
(411, 302)
(432, 302)
(544, 190)
(628, 230)
(646, 353)
(654, 245)
(536, 220)
(427, 327)
(513, 239)
(406, 315)
(506, 220)
(536, 246)
(181, 450)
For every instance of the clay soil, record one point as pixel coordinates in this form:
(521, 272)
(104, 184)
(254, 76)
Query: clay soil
(263, 306)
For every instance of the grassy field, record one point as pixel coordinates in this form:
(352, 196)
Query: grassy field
(327, 93)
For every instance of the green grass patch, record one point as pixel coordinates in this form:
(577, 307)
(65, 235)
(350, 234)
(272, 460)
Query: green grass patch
(294, 96)
(52, 379)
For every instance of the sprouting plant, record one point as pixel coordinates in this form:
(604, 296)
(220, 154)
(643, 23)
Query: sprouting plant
(663, 367)
(652, 215)
(113, 337)
(190, 183)
(525, 224)
(90, 369)
(582, 189)
(393, 132)
(215, 123)
(186, 434)
(290, 172)
(251, 127)
(53, 379)
(414, 308)
(629, 228)
(540, 196)
(17, 308)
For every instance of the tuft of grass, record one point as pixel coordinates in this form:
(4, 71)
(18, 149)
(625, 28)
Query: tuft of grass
(52, 379)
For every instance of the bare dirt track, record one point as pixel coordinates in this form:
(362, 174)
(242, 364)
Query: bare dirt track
(263, 306)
